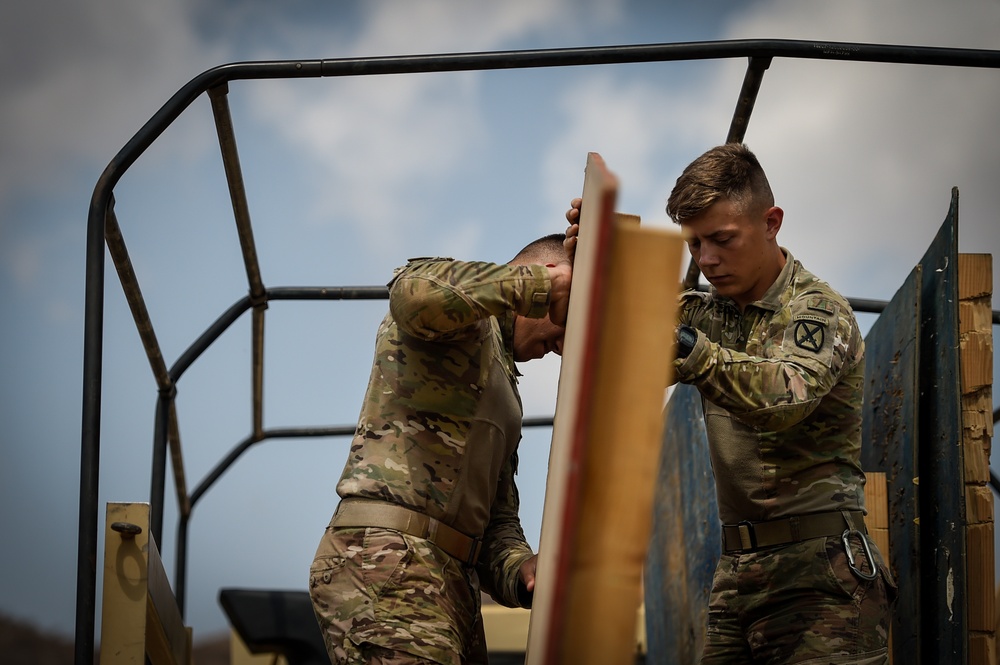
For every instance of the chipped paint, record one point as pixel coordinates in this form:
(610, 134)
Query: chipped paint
(950, 592)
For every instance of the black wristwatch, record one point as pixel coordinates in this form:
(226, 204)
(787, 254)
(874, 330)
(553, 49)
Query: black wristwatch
(687, 337)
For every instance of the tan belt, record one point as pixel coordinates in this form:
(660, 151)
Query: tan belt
(750, 536)
(355, 513)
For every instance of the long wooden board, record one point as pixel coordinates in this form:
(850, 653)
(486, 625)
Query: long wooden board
(975, 290)
(600, 191)
(606, 435)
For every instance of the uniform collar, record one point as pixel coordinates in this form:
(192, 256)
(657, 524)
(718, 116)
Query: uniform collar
(771, 300)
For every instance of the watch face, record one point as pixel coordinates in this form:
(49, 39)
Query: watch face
(688, 337)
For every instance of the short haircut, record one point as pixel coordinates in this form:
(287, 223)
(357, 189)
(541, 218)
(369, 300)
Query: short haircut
(548, 249)
(729, 171)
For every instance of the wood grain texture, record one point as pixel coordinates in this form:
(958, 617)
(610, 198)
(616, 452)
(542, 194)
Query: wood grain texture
(975, 291)
(606, 435)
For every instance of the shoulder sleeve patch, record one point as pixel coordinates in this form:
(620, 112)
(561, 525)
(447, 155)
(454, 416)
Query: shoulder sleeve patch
(813, 329)
(810, 335)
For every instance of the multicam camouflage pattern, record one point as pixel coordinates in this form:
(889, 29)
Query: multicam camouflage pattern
(782, 385)
(798, 604)
(438, 433)
(379, 589)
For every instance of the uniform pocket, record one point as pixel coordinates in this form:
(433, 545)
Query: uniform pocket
(849, 582)
(329, 581)
(384, 559)
(324, 569)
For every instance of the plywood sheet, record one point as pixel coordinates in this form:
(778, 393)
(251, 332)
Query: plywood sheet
(606, 435)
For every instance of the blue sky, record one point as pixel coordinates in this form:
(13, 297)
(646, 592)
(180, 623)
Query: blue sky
(347, 178)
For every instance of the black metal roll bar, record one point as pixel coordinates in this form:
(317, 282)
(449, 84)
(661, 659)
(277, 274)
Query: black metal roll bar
(103, 229)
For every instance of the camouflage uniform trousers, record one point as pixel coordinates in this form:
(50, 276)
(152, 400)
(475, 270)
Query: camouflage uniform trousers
(800, 604)
(382, 596)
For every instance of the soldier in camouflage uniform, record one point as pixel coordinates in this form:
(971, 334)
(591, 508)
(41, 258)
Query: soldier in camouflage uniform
(778, 358)
(429, 509)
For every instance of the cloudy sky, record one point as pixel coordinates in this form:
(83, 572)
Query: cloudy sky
(347, 178)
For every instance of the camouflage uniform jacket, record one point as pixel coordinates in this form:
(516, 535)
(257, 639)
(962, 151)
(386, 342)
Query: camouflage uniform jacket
(782, 390)
(441, 421)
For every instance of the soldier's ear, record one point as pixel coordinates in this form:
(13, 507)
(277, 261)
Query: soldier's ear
(773, 218)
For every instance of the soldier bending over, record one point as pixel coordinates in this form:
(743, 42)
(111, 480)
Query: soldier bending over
(429, 510)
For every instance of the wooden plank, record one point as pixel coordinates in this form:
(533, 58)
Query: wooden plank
(687, 536)
(877, 519)
(615, 515)
(606, 436)
(890, 445)
(576, 372)
(877, 504)
(975, 290)
(941, 459)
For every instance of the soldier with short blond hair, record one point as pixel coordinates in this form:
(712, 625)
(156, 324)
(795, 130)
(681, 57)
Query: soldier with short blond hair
(429, 510)
(779, 360)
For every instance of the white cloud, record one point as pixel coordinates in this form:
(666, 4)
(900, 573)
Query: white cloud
(369, 142)
(68, 104)
(381, 147)
(441, 26)
(636, 126)
(972, 24)
(863, 156)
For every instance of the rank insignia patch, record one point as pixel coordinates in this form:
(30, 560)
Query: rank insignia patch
(809, 335)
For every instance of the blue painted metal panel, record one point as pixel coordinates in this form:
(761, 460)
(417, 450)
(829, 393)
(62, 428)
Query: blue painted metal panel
(942, 488)
(686, 539)
(890, 445)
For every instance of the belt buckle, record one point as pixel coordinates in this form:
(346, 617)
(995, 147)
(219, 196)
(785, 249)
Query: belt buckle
(748, 538)
(473, 558)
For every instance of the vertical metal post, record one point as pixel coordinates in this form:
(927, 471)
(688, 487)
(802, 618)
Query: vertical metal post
(157, 483)
(90, 445)
(748, 97)
(737, 129)
(180, 566)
